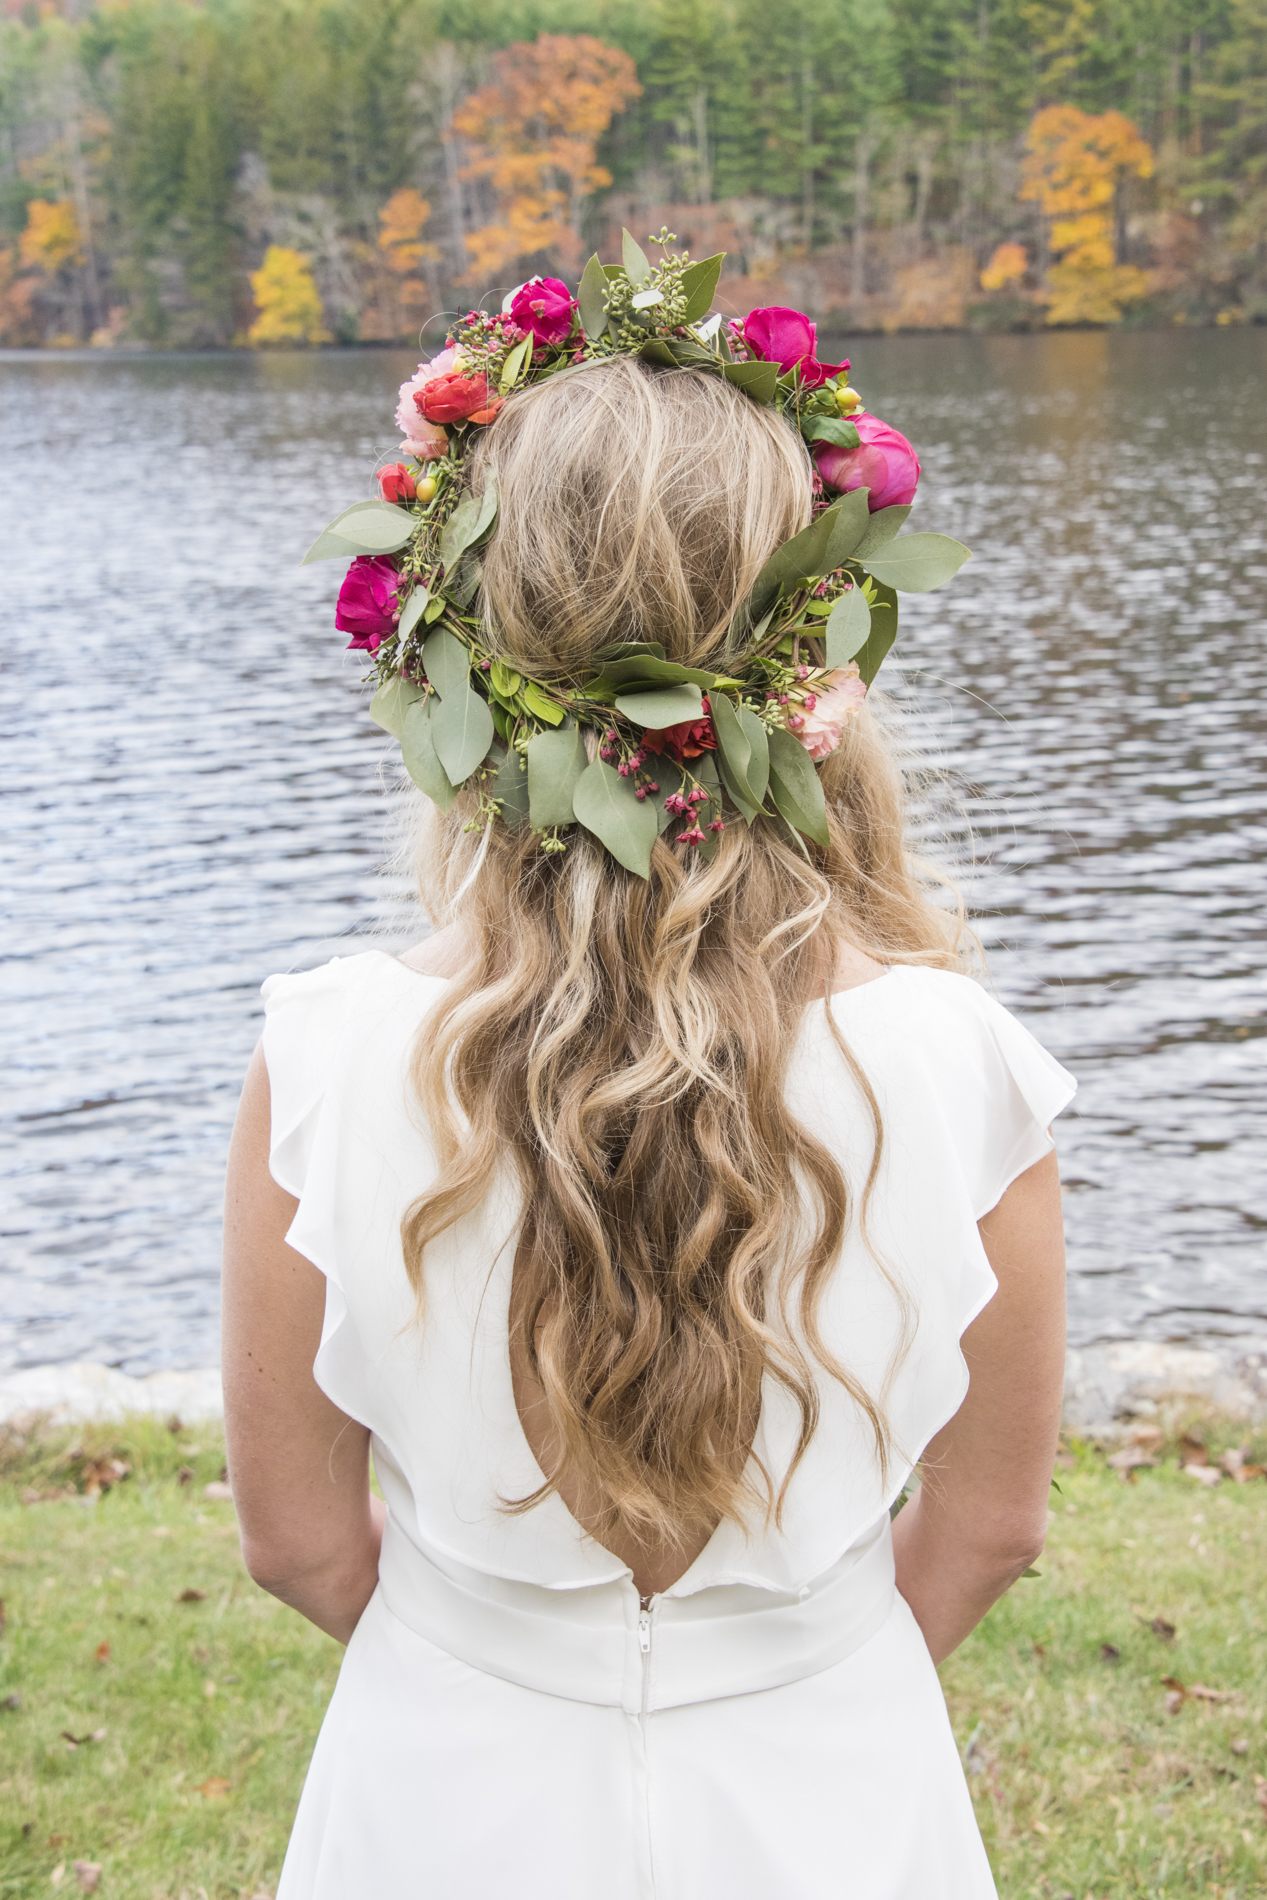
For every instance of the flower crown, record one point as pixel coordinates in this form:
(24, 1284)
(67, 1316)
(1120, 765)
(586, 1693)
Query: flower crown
(680, 750)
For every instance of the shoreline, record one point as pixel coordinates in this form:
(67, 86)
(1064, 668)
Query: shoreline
(1108, 1387)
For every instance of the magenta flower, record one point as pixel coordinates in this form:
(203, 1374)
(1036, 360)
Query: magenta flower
(787, 338)
(884, 462)
(368, 608)
(545, 308)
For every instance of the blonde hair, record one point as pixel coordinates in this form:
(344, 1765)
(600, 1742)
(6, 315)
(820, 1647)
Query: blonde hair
(624, 1043)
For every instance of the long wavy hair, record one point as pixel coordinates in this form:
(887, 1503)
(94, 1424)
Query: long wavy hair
(624, 1044)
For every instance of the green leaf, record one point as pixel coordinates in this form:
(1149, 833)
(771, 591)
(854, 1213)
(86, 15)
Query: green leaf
(510, 789)
(758, 380)
(471, 519)
(833, 429)
(652, 672)
(591, 295)
(665, 706)
(390, 704)
(656, 350)
(795, 788)
(418, 749)
(634, 258)
(848, 627)
(447, 663)
(605, 804)
(539, 704)
(920, 562)
(512, 368)
(367, 527)
(758, 740)
(627, 649)
(412, 611)
(881, 529)
(646, 299)
(819, 549)
(883, 633)
(699, 285)
(435, 607)
(555, 763)
(503, 679)
(462, 732)
(852, 518)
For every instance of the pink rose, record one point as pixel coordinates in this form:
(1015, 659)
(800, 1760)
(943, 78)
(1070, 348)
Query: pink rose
(884, 462)
(424, 440)
(368, 608)
(820, 727)
(787, 338)
(545, 308)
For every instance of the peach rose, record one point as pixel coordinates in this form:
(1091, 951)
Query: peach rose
(820, 727)
(425, 441)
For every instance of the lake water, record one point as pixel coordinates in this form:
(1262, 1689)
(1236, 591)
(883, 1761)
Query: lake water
(194, 793)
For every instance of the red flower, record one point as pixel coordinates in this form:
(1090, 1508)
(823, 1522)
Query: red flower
(544, 307)
(685, 741)
(395, 483)
(453, 398)
(787, 338)
(884, 462)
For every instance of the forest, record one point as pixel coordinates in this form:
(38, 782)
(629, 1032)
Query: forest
(203, 173)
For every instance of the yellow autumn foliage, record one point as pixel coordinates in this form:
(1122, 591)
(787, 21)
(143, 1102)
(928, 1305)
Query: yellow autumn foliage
(287, 299)
(1007, 267)
(1074, 164)
(51, 238)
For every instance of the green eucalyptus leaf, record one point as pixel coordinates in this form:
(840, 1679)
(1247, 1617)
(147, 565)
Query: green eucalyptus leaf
(541, 705)
(627, 649)
(883, 632)
(634, 258)
(591, 295)
(447, 663)
(656, 350)
(661, 707)
(462, 732)
(651, 673)
(881, 529)
(510, 789)
(435, 607)
(819, 549)
(470, 520)
(758, 380)
(646, 299)
(503, 679)
(412, 611)
(759, 744)
(605, 804)
(512, 368)
(699, 286)
(795, 787)
(555, 763)
(848, 628)
(734, 754)
(833, 429)
(390, 704)
(421, 761)
(464, 584)
(920, 562)
(852, 520)
(344, 535)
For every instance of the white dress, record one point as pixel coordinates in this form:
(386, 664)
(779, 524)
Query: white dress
(509, 1723)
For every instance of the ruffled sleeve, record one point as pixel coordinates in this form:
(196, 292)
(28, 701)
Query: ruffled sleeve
(1003, 1092)
(304, 1020)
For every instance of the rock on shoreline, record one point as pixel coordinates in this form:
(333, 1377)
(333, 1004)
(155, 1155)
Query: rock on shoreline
(1105, 1385)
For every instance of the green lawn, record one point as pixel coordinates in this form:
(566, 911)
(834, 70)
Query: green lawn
(193, 1715)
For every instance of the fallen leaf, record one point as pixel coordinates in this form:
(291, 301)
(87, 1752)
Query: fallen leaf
(1193, 1450)
(162, 1530)
(58, 1874)
(102, 1652)
(1130, 1458)
(185, 1475)
(1240, 1747)
(1204, 1474)
(209, 1689)
(1174, 1701)
(57, 1840)
(81, 1741)
(1109, 1653)
(12, 1701)
(1203, 1694)
(1150, 1435)
(192, 1596)
(217, 1489)
(88, 1874)
(1260, 1792)
(214, 1788)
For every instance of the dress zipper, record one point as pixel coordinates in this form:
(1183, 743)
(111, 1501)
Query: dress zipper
(645, 1607)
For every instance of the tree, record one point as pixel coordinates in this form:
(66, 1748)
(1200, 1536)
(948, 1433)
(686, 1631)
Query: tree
(532, 133)
(287, 301)
(1074, 166)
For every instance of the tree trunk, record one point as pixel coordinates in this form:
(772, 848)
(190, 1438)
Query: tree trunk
(861, 181)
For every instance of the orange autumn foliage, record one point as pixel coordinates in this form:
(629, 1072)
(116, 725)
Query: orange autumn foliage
(1007, 267)
(401, 240)
(532, 133)
(1074, 163)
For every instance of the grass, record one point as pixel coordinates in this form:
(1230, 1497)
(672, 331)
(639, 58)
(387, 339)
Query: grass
(193, 1715)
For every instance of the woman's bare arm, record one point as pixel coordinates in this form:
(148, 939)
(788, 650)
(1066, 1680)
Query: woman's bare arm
(298, 1465)
(980, 1516)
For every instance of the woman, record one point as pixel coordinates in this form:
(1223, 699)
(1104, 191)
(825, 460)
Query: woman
(634, 1224)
